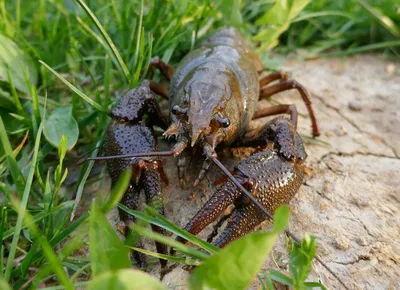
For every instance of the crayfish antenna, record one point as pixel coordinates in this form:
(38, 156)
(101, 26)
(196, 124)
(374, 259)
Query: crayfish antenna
(81, 159)
(212, 155)
(178, 148)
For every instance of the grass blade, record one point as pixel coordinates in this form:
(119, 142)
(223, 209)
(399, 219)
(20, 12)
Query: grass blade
(76, 90)
(307, 16)
(16, 174)
(167, 257)
(22, 207)
(369, 47)
(84, 175)
(37, 218)
(14, 93)
(382, 18)
(107, 252)
(170, 242)
(169, 226)
(119, 190)
(107, 38)
(51, 256)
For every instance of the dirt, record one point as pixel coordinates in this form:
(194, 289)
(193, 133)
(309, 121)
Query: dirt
(350, 200)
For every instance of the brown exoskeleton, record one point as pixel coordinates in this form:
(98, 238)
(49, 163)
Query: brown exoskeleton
(131, 132)
(213, 95)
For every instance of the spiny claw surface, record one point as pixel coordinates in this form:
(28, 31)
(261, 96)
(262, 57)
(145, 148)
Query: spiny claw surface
(271, 177)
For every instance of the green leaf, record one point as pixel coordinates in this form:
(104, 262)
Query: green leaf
(312, 285)
(61, 122)
(281, 218)
(63, 145)
(280, 277)
(301, 258)
(364, 48)
(4, 285)
(127, 279)
(231, 11)
(16, 60)
(267, 284)
(278, 20)
(235, 266)
(107, 252)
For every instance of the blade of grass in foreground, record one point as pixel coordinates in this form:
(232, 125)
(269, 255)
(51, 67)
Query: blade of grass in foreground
(182, 233)
(169, 226)
(76, 90)
(37, 218)
(51, 256)
(22, 207)
(16, 174)
(107, 38)
(169, 258)
(170, 242)
(107, 252)
(306, 16)
(82, 182)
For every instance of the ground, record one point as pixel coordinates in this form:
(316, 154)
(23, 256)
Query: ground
(350, 198)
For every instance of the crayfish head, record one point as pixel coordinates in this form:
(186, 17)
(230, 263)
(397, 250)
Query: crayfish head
(201, 100)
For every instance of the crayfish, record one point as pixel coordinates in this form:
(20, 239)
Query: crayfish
(213, 95)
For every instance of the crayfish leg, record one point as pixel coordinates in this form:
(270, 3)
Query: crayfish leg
(182, 161)
(166, 69)
(151, 183)
(131, 201)
(204, 169)
(276, 110)
(284, 85)
(281, 132)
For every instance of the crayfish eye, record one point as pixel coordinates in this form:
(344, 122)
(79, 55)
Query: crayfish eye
(176, 110)
(224, 122)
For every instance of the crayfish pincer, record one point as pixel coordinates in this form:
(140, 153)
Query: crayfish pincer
(272, 176)
(130, 132)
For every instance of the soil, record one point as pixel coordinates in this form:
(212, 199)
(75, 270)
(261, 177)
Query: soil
(351, 196)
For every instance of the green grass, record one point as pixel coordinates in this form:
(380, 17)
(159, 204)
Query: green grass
(83, 54)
